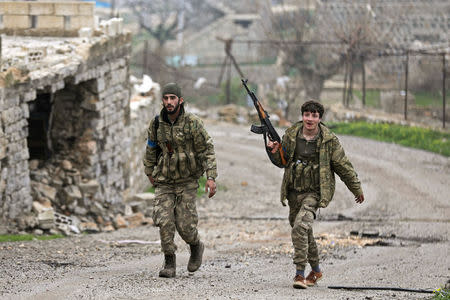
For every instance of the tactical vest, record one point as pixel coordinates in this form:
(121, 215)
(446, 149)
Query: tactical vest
(305, 169)
(178, 161)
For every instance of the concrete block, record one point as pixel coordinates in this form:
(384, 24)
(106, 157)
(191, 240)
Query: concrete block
(41, 8)
(15, 8)
(66, 9)
(78, 22)
(86, 9)
(50, 22)
(16, 21)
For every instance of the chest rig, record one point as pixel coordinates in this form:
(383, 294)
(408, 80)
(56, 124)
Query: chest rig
(177, 160)
(305, 169)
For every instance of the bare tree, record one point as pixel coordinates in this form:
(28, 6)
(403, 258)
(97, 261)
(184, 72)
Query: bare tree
(294, 25)
(357, 26)
(164, 20)
(317, 40)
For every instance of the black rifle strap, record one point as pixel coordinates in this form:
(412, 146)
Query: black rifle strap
(155, 128)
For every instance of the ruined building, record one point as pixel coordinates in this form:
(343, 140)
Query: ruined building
(65, 112)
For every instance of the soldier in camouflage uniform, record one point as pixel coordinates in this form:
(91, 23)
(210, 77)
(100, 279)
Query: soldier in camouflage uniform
(311, 154)
(179, 151)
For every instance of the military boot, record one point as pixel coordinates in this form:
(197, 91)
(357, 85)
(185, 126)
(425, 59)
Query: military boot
(195, 260)
(169, 269)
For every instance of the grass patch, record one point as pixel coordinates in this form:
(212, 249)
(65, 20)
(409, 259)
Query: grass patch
(150, 190)
(372, 97)
(414, 137)
(441, 294)
(28, 237)
(428, 99)
(422, 98)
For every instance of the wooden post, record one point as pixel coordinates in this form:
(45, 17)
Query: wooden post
(344, 92)
(444, 75)
(406, 84)
(363, 72)
(228, 91)
(350, 81)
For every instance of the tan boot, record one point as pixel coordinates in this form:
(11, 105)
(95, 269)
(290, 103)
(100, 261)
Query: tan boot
(169, 269)
(299, 282)
(312, 278)
(195, 261)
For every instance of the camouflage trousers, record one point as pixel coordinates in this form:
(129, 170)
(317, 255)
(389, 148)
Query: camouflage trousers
(302, 212)
(175, 209)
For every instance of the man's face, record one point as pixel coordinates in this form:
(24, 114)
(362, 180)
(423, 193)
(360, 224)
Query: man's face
(171, 103)
(311, 120)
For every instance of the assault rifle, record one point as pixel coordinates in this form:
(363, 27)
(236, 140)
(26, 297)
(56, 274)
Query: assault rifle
(266, 128)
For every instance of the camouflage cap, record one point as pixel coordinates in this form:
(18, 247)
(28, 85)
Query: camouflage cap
(171, 88)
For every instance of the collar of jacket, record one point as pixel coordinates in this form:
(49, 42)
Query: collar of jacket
(164, 116)
(326, 133)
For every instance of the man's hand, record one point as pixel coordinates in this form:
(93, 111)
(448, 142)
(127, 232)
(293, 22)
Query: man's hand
(211, 186)
(152, 181)
(359, 199)
(273, 146)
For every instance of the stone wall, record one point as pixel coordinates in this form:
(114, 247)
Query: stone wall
(84, 172)
(143, 109)
(55, 18)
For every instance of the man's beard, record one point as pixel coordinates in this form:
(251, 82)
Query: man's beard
(175, 109)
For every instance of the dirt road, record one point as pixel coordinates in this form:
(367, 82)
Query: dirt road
(245, 228)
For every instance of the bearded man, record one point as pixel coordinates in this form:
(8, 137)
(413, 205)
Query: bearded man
(179, 151)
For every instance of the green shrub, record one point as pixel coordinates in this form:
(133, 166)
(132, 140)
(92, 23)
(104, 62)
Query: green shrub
(238, 94)
(414, 137)
(441, 294)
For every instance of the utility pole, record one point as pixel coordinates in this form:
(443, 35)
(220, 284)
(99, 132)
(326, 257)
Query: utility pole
(406, 84)
(363, 72)
(444, 75)
(112, 13)
(230, 61)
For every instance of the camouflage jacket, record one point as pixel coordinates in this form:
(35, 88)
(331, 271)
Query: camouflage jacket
(187, 150)
(332, 159)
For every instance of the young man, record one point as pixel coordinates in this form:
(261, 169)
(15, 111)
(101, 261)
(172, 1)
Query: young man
(179, 151)
(313, 155)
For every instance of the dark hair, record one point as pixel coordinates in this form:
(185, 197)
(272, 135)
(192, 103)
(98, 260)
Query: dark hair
(313, 106)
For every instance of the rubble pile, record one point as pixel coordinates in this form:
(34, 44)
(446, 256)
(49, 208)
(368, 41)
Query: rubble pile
(67, 202)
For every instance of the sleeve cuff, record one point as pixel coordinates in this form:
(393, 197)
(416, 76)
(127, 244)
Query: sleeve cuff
(211, 174)
(148, 171)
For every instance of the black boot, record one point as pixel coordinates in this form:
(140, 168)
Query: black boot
(195, 260)
(169, 269)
